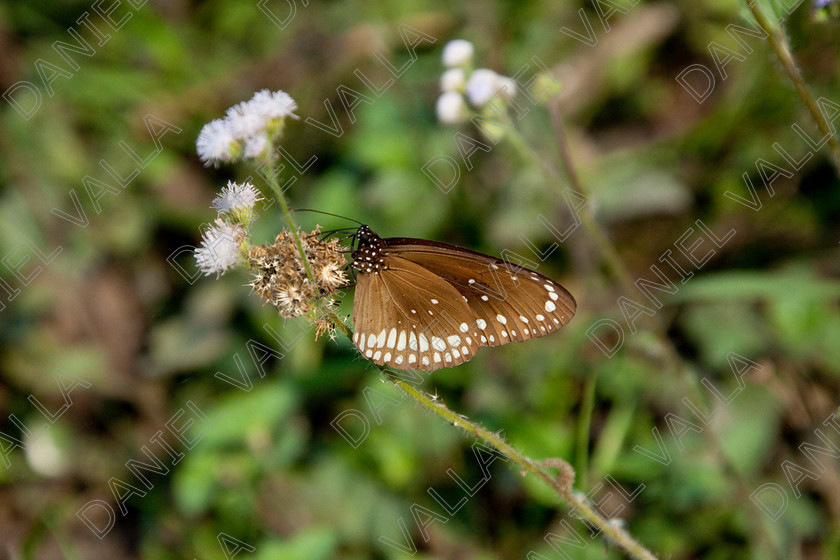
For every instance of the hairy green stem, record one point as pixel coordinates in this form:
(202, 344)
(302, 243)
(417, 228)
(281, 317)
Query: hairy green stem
(278, 194)
(561, 486)
(672, 359)
(780, 45)
(587, 405)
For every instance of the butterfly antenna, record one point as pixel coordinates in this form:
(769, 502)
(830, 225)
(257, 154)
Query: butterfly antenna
(325, 234)
(326, 214)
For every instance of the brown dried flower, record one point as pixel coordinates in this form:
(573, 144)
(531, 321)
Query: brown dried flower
(281, 277)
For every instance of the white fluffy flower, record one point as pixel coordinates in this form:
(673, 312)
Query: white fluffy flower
(237, 197)
(244, 120)
(451, 108)
(507, 87)
(482, 85)
(215, 142)
(255, 146)
(458, 52)
(273, 104)
(250, 123)
(453, 80)
(44, 454)
(220, 247)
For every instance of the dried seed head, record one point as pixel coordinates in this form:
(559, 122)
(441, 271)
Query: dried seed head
(281, 276)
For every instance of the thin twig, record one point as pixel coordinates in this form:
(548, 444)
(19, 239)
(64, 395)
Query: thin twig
(610, 531)
(278, 194)
(587, 405)
(590, 224)
(672, 358)
(780, 45)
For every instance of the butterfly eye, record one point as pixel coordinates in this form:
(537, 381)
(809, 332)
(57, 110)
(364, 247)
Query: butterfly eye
(445, 301)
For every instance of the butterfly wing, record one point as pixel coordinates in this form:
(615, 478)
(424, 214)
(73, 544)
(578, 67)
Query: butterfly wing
(457, 299)
(511, 303)
(409, 318)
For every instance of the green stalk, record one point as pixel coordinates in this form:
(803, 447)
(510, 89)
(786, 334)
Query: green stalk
(781, 46)
(612, 532)
(278, 194)
(671, 358)
(617, 535)
(584, 428)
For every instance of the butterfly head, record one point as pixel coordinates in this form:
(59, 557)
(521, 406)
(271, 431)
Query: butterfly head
(367, 257)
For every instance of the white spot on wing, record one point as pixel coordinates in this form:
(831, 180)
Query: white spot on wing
(401, 342)
(549, 306)
(482, 324)
(553, 296)
(380, 340)
(464, 327)
(376, 356)
(438, 344)
(437, 357)
(502, 319)
(548, 287)
(392, 339)
(540, 318)
(523, 319)
(424, 343)
(453, 340)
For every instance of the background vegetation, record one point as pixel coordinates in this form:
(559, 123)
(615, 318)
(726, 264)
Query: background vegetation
(99, 296)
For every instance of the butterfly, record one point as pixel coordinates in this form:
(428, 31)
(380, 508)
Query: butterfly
(427, 305)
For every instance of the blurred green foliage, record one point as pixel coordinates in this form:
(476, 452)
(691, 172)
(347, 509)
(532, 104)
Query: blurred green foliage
(101, 290)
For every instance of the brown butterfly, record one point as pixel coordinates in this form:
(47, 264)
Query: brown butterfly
(427, 305)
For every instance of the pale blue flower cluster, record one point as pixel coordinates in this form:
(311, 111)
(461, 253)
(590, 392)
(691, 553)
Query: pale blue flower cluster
(460, 84)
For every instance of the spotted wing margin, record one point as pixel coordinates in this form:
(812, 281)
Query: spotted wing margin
(508, 302)
(406, 317)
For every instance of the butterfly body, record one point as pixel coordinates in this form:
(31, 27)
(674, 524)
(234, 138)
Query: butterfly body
(426, 305)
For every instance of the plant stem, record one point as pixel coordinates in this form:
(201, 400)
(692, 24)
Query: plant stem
(781, 46)
(584, 427)
(671, 358)
(579, 505)
(590, 224)
(616, 534)
(278, 194)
